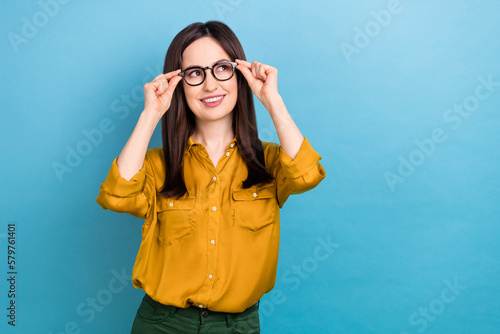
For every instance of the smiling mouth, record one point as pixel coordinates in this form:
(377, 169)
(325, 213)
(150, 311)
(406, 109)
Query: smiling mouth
(213, 99)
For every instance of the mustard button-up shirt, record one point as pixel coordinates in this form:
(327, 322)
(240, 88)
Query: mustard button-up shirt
(216, 247)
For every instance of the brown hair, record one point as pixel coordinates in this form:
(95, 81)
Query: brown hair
(179, 123)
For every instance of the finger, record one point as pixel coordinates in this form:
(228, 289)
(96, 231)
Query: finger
(163, 79)
(167, 76)
(152, 86)
(254, 69)
(246, 72)
(172, 74)
(272, 76)
(166, 97)
(262, 72)
(244, 62)
(172, 84)
(160, 85)
(150, 91)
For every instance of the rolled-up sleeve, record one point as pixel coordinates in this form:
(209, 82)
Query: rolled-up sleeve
(132, 196)
(294, 176)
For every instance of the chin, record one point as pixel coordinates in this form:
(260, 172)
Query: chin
(215, 116)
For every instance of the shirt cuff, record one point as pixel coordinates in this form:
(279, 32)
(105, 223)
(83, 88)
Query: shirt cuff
(117, 186)
(305, 160)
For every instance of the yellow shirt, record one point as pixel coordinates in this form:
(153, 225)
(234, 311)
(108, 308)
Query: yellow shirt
(216, 247)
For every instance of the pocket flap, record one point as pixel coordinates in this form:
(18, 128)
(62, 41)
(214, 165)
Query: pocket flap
(254, 193)
(172, 203)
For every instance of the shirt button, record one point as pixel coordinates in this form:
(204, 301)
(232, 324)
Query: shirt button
(201, 306)
(227, 154)
(254, 194)
(210, 276)
(212, 242)
(232, 145)
(171, 204)
(214, 178)
(214, 208)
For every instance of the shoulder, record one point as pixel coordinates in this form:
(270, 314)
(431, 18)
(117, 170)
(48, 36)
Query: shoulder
(270, 147)
(155, 160)
(155, 152)
(271, 152)
(267, 145)
(155, 155)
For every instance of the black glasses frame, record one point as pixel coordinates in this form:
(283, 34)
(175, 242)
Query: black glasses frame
(183, 73)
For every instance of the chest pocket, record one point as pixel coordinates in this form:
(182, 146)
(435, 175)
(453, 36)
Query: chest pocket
(175, 218)
(255, 207)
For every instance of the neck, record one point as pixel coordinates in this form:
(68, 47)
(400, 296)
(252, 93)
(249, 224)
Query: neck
(214, 134)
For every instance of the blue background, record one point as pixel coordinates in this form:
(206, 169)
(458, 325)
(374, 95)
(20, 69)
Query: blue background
(397, 248)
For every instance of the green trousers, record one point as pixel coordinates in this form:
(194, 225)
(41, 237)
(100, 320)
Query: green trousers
(154, 318)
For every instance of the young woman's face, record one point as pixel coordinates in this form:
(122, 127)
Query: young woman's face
(213, 99)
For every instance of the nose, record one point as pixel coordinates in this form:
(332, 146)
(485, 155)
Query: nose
(210, 82)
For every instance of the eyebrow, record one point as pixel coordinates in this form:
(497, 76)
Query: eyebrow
(218, 61)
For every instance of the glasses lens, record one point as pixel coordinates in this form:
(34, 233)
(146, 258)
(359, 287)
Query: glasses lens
(223, 71)
(194, 76)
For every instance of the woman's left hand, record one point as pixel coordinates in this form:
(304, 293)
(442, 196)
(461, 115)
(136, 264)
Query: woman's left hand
(262, 79)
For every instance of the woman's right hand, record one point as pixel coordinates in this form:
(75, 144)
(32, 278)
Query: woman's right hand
(158, 92)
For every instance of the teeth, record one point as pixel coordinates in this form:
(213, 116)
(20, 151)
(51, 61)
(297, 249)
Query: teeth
(213, 99)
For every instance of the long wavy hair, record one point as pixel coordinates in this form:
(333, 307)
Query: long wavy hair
(178, 123)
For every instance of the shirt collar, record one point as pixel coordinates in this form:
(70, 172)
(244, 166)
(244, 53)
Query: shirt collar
(192, 143)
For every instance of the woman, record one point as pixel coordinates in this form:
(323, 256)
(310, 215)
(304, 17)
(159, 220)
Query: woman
(211, 195)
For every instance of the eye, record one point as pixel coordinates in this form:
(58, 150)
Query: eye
(224, 67)
(194, 73)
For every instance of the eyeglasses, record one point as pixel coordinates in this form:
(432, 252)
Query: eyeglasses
(196, 75)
